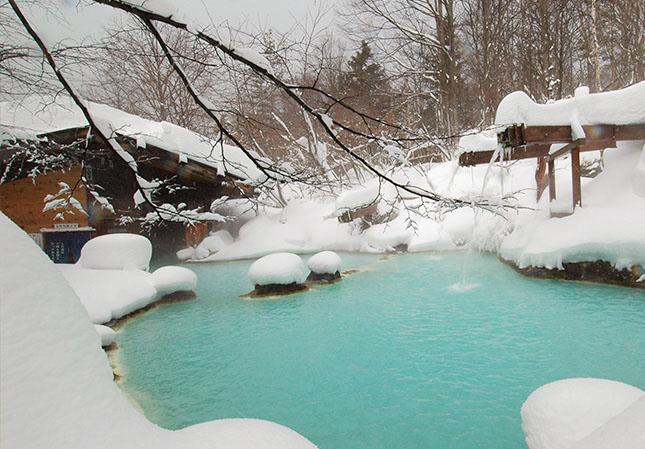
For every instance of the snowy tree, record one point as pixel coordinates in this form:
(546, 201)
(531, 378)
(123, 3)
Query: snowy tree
(134, 75)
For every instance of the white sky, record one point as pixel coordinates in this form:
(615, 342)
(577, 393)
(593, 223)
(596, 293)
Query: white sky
(83, 20)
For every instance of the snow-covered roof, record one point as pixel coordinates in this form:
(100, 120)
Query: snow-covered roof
(32, 116)
(618, 107)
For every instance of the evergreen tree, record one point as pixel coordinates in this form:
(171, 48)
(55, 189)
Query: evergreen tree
(365, 84)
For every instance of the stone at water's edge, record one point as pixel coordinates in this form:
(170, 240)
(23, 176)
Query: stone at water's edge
(275, 290)
(598, 271)
(322, 278)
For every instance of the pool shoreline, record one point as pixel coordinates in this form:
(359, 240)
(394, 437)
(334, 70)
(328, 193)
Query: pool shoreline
(596, 271)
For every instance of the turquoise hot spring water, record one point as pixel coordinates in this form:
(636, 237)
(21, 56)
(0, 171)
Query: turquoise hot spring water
(412, 351)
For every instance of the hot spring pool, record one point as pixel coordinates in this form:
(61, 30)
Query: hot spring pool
(406, 353)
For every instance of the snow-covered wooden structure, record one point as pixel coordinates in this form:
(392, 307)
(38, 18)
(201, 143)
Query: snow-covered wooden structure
(586, 122)
(525, 142)
(42, 146)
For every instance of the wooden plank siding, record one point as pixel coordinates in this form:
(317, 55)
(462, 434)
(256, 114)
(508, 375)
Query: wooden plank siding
(22, 200)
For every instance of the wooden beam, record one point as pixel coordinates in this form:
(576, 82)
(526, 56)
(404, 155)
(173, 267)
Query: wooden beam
(566, 149)
(66, 136)
(483, 157)
(575, 177)
(540, 177)
(630, 132)
(526, 135)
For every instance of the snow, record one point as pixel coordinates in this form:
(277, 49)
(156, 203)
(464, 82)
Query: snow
(325, 262)
(609, 226)
(111, 278)
(109, 294)
(638, 176)
(171, 279)
(212, 244)
(624, 430)
(278, 268)
(617, 107)
(254, 57)
(56, 379)
(33, 115)
(562, 413)
(478, 141)
(106, 334)
(116, 252)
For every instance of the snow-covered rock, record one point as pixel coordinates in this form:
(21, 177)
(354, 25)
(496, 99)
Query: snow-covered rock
(186, 253)
(56, 388)
(278, 268)
(116, 252)
(216, 241)
(107, 334)
(559, 414)
(325, 267)
(109, 294)
(171, 279)
(325, 262)
(110, 280)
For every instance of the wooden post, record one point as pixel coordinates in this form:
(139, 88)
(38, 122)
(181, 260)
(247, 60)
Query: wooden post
(575, 177)
(551, 165)
(540, 172)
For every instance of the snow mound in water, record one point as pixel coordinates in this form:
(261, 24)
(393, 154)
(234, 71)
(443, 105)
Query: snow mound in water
(278, 268)
(325, 262)
(116, 252)
(171, 279)
(559, 414)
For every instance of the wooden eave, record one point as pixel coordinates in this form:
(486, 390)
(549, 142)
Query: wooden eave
(152, 155)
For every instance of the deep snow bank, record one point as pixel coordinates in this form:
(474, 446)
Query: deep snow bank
(609, 226)
(590, 412)
(56, 388)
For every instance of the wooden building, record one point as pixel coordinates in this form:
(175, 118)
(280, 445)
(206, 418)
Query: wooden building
(33, 168)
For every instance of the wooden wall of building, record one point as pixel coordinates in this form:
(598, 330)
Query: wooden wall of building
(22, 200)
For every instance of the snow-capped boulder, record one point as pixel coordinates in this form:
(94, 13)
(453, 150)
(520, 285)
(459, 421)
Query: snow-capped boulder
(375, 202)
(107, 334)
(116, 252)
(277, 273)
(559, 414)
(214, 243)
(173, 279)
(186, 253)
(325, 266)
(109, 294)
